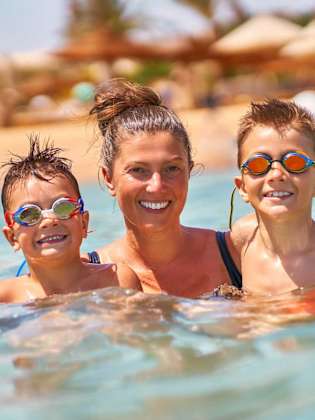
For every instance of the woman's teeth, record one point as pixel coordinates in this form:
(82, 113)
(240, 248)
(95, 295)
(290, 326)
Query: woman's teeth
(154, 206)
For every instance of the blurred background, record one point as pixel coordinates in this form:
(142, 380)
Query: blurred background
(207, 59)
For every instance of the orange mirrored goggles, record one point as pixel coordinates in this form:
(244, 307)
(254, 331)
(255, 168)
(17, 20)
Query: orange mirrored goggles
(293, 162)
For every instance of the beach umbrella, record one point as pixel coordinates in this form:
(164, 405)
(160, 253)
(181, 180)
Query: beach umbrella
(101, 44)
(260, 35)
(303, 45)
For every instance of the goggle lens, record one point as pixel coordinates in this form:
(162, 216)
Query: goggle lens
(258, 165)
(64, 209)
(295, 163)
(29, 215)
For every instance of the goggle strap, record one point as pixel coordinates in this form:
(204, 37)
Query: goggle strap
(81, 204)
(8, 219)
(231, 208)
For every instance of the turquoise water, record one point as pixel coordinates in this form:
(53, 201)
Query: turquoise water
(117, 354)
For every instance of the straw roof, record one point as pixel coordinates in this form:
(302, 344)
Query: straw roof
(103, 45)
(260, 34)
(303, 45)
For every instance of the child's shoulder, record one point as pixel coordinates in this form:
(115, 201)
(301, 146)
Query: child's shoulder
(14, 290)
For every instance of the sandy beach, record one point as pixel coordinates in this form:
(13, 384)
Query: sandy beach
(212, 133)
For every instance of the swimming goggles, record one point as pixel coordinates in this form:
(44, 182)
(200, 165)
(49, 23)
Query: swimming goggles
(31, 214)
(293, 162)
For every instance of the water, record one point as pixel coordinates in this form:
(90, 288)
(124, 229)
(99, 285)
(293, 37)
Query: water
(117, 354)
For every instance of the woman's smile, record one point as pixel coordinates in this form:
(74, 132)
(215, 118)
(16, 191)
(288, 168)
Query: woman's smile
(152, 205)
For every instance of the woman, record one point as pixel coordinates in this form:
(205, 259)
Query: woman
(146, 164)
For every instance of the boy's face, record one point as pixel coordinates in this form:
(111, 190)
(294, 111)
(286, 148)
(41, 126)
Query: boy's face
(278, 192)
(51, 237)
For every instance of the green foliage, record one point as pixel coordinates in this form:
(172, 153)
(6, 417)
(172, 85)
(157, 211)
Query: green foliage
(152, 70)
(87, 15)
(303, 19)
(204, 7)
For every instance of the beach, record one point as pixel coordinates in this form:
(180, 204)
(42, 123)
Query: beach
(212, 133)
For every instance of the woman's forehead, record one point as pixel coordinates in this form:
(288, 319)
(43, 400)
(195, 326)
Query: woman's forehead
(152, 143)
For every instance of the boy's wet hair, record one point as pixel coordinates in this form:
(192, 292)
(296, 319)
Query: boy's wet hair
(124, 109)
(43, 162)
(278, 114)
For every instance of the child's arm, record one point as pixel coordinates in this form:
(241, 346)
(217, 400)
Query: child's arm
(127, 277)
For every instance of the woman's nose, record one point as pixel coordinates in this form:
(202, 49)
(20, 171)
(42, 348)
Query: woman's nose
(155, 183)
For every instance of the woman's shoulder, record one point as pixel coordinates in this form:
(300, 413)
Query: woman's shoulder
(111, 253)
(200, 232)
(200, 239)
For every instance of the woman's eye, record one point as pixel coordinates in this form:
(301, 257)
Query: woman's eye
(172, 170)
(136, 170)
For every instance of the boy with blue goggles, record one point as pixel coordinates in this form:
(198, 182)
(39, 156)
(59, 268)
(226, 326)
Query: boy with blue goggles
(45, 217)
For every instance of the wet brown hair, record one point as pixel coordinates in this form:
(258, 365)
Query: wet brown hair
(124, 109)
(43, 162)
(278, 114)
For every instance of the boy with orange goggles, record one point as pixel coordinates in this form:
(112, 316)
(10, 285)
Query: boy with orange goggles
(45, 218)
(276, 154)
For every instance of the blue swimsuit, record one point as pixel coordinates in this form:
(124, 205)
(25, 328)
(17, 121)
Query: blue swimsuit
(235, 275)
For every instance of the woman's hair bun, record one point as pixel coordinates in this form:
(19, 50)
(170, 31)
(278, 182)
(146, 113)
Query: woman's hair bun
(116, 95)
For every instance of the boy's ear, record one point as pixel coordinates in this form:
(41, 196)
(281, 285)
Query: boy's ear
(85, 223)
(239, 183)
(108, 181)
(11, 238)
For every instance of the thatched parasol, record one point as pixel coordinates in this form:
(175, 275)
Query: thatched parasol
(260, 35)
(302, 47)
(104, 45)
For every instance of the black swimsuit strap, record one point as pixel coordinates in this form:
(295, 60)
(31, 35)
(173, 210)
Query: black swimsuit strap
(235, 275)
(94, 258)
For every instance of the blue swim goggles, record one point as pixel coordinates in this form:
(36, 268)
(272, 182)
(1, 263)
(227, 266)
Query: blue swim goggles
(30, 214)
(293, 162)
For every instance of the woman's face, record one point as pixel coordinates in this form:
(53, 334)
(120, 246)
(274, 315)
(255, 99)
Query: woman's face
(150, 180)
